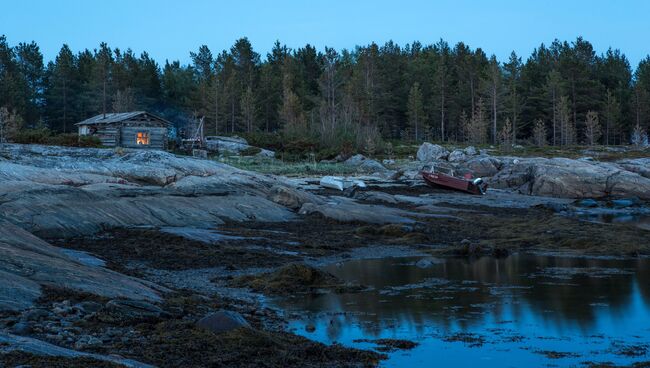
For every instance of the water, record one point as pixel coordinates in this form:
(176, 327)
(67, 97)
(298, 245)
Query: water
(640, 221)
(522, 311)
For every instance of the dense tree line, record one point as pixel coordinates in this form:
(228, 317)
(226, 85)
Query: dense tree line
(562, 94)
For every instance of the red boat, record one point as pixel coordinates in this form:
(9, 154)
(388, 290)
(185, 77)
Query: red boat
(442, 177)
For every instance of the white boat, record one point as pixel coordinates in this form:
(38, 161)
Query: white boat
(340, 183)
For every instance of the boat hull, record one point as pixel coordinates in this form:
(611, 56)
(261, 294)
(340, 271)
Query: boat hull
(450, 182)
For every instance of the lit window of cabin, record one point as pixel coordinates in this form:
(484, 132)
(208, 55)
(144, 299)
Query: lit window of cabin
(142, 138)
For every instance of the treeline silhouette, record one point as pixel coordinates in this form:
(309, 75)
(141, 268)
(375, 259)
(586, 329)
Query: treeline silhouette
(563, 93)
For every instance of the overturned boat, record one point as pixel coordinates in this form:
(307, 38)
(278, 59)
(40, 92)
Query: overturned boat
(446, 178)
(339, 183)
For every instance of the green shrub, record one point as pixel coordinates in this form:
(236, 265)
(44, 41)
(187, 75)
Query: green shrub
(89, 141)
(45, 136)
(251, 151)
(33, 136)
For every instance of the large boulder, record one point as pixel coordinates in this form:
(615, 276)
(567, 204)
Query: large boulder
(235, 145)
(457, 155)
(222, 321)
(292, 198)
(430, 152)
(362, 163)
(483, 166)
(470, 151)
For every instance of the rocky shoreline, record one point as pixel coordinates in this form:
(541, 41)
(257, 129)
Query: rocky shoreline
(99, 265)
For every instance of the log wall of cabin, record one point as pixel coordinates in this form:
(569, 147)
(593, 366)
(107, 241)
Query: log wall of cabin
(157, 137)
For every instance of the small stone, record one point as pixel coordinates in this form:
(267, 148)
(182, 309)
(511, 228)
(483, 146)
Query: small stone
(87, 341)
(133, 309)
(473, 249)
(425, 263)
(222, 321)
(21, 328)
(88, 307)
(35, 315)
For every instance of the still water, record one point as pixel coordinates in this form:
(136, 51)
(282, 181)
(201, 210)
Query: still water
(521, 311)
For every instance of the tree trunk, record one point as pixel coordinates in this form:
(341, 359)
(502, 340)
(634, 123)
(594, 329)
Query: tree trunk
(494, 113)
(65, 106)
(554, 117)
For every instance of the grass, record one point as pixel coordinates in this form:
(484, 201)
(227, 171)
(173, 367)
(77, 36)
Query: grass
(278, 167)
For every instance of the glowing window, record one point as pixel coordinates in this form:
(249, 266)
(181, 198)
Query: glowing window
(142, 138)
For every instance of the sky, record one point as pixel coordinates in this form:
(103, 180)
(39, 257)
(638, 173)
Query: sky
(169, 30)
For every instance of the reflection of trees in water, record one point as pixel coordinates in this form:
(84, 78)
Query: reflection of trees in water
(643, 278)
(462, 293)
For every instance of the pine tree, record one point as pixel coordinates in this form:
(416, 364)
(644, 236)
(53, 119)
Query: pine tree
(513, 76)
(60, 93)
(102, 77)
(416, 111)
(567, 127)
(248, 109)
(554, 90)
(495, 76)
(612, 116)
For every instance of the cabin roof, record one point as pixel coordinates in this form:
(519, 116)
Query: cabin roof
(116, 117)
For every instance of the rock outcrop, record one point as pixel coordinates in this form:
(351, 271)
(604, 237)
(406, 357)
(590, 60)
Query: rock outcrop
(63, 192)
(9, 343)
(29, 263)
(567, 178)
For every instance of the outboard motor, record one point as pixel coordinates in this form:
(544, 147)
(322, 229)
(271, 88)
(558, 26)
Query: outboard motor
(480, 184)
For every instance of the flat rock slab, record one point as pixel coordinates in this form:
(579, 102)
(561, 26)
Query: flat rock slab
(28, 263)
(346, 210)
(9, 342)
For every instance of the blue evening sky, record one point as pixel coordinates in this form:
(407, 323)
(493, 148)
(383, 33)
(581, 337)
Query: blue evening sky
(171, 29)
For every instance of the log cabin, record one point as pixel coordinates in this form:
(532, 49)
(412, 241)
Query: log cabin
(136, 129)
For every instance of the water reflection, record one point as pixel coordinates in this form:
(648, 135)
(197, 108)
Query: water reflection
(540, 297)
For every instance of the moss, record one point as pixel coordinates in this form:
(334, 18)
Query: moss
(178, 343)
(294, 278)
(250, 151)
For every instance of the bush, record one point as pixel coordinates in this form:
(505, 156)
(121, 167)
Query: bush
(251, 151)
(33, 136)
(45, 136)
(89, 141)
